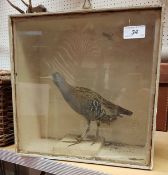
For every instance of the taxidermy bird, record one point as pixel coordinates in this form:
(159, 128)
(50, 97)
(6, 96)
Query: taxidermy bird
(89, 104)
(30, 8)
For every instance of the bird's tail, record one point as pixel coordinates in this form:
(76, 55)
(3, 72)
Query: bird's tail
(125, 111)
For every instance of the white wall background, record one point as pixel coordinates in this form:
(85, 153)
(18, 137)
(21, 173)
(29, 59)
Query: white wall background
(60, 5)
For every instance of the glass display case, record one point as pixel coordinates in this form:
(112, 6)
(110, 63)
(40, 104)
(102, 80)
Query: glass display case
(85, 85)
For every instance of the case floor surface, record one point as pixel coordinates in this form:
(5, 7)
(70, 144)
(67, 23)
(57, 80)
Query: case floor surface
(160, 160)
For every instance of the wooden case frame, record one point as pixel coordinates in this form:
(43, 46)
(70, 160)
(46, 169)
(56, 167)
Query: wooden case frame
(12, 52)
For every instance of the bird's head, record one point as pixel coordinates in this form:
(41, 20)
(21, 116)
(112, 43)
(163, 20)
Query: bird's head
(56, 77)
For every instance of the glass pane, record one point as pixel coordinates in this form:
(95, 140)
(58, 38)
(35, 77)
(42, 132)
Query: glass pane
(83, 92)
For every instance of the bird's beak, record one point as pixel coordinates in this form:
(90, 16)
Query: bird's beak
(47, 77)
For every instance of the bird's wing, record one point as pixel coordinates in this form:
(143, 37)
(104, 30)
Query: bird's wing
(115, 108)
(86, 93)
(107, 105)
(94, 95)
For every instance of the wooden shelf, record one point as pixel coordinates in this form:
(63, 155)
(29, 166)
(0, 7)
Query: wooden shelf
(61, 168)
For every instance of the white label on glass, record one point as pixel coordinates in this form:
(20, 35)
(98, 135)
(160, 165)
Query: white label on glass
(132, 32)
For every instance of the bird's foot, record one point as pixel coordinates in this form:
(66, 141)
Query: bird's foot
(97, 139)
(78, 140)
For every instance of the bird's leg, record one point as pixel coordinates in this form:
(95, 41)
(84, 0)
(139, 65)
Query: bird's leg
(79, 139)
(97, 132)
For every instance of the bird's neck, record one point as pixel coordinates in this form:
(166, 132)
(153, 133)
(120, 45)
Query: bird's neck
(64, 87)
